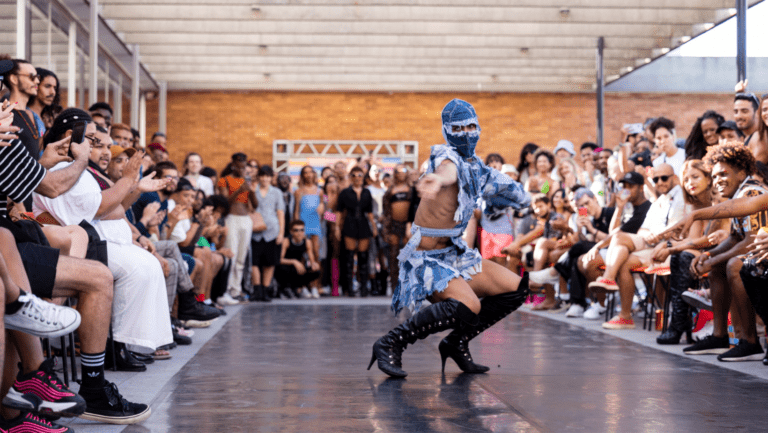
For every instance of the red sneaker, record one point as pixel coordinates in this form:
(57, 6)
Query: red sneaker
(619, 323)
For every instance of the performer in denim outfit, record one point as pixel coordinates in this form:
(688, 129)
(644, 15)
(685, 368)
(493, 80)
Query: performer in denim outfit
(437, 264)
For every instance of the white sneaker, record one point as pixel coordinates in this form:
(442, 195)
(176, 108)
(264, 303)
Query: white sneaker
(594, 312)
(305, 293)
(544, 276)
(42, 319)
(576, 310)
(226, 299)
(315, 293)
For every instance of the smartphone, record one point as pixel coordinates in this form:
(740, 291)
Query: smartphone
(7, 121)
(78, 135)
(625, 194)
(582, 211)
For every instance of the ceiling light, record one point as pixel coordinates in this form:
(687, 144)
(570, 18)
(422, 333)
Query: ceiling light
(708, 26)
(262, 49)
(255, 11)
(647, 60)
(685, 39)
(524, 51)
(664, 50)
(732, 11)
(565, 12)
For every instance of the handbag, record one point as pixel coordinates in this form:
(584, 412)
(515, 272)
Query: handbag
(258, 222)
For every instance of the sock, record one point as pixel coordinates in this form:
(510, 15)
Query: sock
(15, 306)
(565, 297)
(92, 366)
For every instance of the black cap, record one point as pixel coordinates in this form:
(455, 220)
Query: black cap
(5, 66)
(642, 158)
(632, 178)
(728, 124)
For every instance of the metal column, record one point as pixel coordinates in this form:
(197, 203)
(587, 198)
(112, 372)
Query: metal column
(741, 39)
(600, 94)
(81, 84)
(23, 30)
(118, 102)
(142, 120)
(135, 82)
(93, 87)
(162, 107)
(71, 68)
(106, 83)
(49, 39)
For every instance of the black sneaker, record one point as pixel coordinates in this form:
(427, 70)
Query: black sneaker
(42, 392)
(27, 422)
(710, 345)
(106, 405)
(744, 351)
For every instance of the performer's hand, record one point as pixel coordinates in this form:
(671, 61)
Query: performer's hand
(429, 186)
(680, 230)
(717, 237)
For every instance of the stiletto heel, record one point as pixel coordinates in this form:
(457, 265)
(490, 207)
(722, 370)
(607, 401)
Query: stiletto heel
(444, 356)
(373, 359)
(689, 336)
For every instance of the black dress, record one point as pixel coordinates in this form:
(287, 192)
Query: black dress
(356, 224)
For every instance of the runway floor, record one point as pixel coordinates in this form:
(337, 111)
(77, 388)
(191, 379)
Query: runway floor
(301, 368)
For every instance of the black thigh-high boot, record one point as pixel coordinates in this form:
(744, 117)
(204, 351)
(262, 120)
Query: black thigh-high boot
(388, 350)
(362, 272)
(680, 280)
(492, 309)
(347, 270)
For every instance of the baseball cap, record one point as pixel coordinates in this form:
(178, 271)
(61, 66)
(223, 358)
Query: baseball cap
(728, 124)
(565, 144)
(5, 66)
(632, 178)
(157, 146)
(117, 150)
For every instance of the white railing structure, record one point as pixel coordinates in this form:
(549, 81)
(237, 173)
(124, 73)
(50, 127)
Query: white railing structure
(287, 155)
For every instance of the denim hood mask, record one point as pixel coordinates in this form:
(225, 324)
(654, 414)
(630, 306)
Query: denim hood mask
(460, 113)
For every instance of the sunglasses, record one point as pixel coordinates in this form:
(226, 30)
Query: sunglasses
(31, 76)
(661, 178)
(356, 175)
(297, 230)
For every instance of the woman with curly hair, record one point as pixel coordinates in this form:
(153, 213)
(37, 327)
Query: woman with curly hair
(703, 134)
(542, 182)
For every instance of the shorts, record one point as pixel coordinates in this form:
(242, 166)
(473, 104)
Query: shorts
(491, 244)
(40, 264)
(265, 253)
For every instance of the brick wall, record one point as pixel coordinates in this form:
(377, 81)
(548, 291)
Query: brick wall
(216, 124)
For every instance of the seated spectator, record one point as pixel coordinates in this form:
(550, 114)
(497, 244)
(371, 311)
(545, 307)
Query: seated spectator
(545, 236)
(38, 269)
(298, 265)
(193, 163)
(542, 182)
(527, 163)
(140, 307)
(104, 110)
(628, 218)
(160, 138)
(628, 251)
(703, 134)
(728, 131)
(157, 152)
(665, 138)
(732, 168)
(697, 190)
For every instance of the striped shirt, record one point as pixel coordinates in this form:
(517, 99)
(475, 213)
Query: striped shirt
(20, 174)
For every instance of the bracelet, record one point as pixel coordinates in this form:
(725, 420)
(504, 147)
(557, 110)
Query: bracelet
(138, 237)
(707, 253)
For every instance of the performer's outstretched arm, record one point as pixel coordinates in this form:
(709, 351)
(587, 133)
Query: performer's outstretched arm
(501, 191)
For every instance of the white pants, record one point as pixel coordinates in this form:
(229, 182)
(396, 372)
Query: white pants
(140, 304)
(239, 231)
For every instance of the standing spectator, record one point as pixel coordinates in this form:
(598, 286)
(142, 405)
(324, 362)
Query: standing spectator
(47, 98)
(542, 182)
(340, 167)
(759, 145)
(157, 152)
(745, 107)
(376, 251)
(159, 137)
(210, 174)
(23, 81)
(703, 134)
(121, 135)
(728, 131)
(193, 163)
(333, 248)
(308, 206)
(136, 139)
(104, 110)
(356, 224)
(587, 153)
(663, 131)
(527, 165)
(240, 194)
(265, 246)
(396, 227)
(284, 184)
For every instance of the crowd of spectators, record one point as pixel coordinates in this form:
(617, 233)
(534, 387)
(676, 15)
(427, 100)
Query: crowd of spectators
(146, 250)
